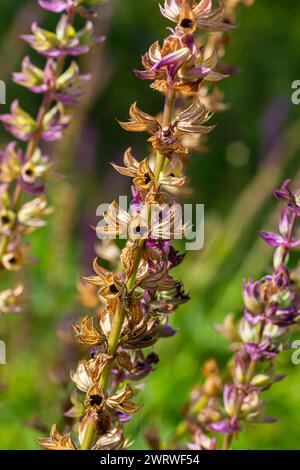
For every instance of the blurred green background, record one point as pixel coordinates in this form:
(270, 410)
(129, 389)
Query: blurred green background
(254, 147)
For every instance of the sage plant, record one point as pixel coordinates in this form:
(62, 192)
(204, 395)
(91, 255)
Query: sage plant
(271, 308)
(24, 169)
(142, 294)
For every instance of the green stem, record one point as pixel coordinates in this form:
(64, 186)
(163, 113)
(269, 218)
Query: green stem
(114, 337)
(227, 441)
(166, 121)
(88, 436)
(115, 333)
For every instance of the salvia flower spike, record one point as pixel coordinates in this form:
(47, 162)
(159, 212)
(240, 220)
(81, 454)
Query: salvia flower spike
(24, 173)
(138, 299)
(271, 308)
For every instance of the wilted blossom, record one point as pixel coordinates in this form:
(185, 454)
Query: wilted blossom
(187, 64)
(25, 170)
(201, 15)
(181, 58)
(11, 300)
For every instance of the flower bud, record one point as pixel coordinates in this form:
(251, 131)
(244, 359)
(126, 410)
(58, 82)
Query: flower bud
(240, 367)
(285, 222)
(297, 198)
(273, 331)
(251, 403)
(260, 380)
(247, 331)
(230, 399)
(285, 299)
(279, 257)
(251, 296)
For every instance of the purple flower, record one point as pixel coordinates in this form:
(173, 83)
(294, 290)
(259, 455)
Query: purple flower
(164, 248)
(252, 296)
(287, 195)
(57, 6)
(262, 351)
(281, 277)
(54, 123)
(65, 41)
(33, 78)
(286, 222)
(228, 426)
(10, 154)
(275, 240)
(173, 61)
(123, 417)
(174, 257)
(187, 62)
(283, 316)
(168, 331)
(230, 398)
(19, 123)
(137, 202)
(30, 188)
(65, 88)
(241, 364)
(22, 126)
(142, 367)
(203, 442)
